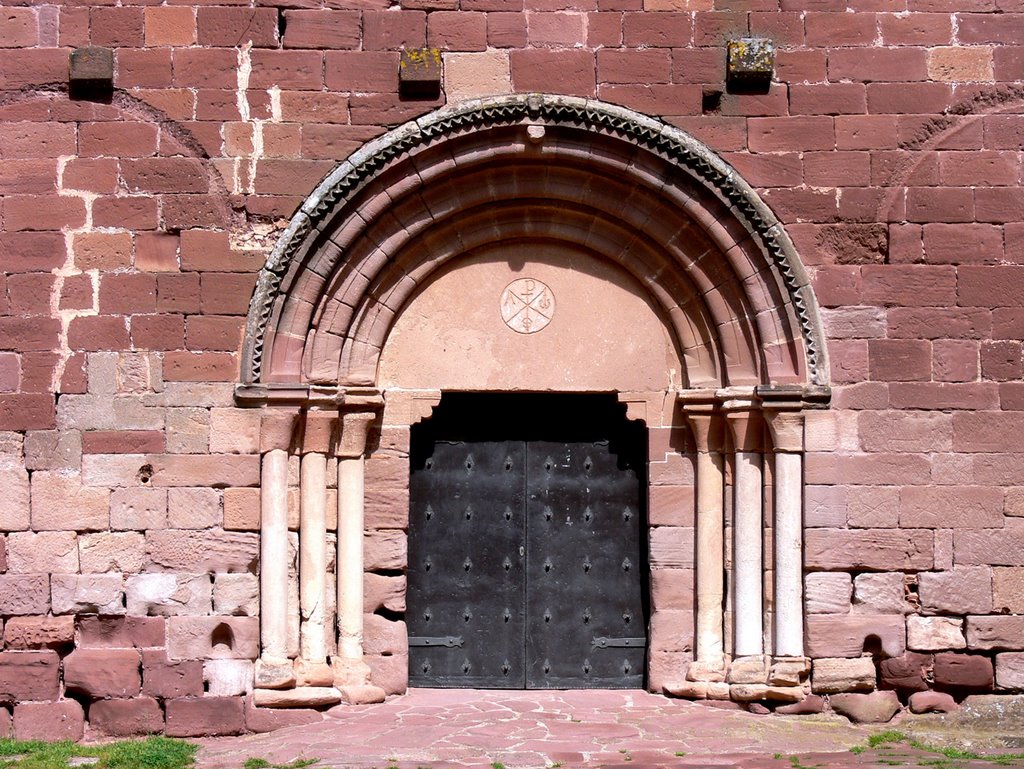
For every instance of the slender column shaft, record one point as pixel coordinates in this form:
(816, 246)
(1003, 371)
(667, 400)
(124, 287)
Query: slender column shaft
(313, 556)
(748, 572)
(710, 560)
(350, 556)
(274, 554)
(789, 633)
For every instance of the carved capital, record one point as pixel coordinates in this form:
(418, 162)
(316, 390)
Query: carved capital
(355, 427)
(745, 425)
(706, 424)
(318, 431)
(277, 429)
(787, 429)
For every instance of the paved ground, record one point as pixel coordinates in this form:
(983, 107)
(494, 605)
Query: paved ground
(456, 729)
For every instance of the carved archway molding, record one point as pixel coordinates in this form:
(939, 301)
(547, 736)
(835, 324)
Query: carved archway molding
(620, 187)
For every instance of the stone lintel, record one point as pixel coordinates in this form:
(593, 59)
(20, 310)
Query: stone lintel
(323, 396)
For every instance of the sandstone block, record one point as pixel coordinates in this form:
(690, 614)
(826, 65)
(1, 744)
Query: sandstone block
(842, 674)
(1010, 670)
(235, 431)
(1008, 590)
(121, 632)
(387, 508)
(61, 503)
(671, 547)
(472, 75)
(932, 702)
(138, 509)
(106, 551)
(6, 724)
(748, 670)
(691, 690)
(168, 594)
(193, 508)
(170, 680)
(387, 549)
(935, 633)
(87, 594)
(103, 672)
(879, 593)
(383, 636)
(809, 705)
(205, 716)
(205, 551)
(39, 632)
(836, 635)
(381, 591)
(228, 678)
(15, 509)
(828, 592)
(789, 672)
(365, 694)
(62, 720)
(24, 594)
(996, 632)
(303, 697)
(275, 673)
(212, 638)
(868, 549)
(963, 671)
(126, 718)
(238, 594)
(188, 430)
(242, 509)
(29, 675)
(260, 720)
(671, 631)
(908, 672)
(874, 708)
(48, 551)
(672, 589)
(960, 590)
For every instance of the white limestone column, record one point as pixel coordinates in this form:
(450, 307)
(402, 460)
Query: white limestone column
(274, 668)
(312, 669)
(787, 430)
(710, 539)
(349, 668)
(748, 530)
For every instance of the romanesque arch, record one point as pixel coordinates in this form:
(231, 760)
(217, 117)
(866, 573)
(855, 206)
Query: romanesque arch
(678, 226)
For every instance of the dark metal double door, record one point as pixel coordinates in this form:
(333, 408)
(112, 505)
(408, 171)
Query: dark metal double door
(525, 566)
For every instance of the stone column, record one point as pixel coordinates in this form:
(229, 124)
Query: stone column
(748, 528)
(317, 439)
(274, 668)
(351, 674)
(787, 431)
(710, 556)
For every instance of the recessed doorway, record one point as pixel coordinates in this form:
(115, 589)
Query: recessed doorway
(527, 544)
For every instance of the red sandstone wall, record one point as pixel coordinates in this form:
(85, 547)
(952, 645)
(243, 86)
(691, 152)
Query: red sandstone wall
(131, 235)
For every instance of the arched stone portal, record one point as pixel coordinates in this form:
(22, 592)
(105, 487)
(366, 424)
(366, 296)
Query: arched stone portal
(552, 244)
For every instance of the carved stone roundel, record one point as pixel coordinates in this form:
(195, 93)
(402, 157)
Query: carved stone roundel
(527, 305)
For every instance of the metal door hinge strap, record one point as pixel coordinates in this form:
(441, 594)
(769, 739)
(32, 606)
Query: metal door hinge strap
(600, 642)
(450, 641)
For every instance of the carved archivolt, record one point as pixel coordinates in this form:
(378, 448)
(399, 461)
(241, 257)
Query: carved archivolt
(603, 179)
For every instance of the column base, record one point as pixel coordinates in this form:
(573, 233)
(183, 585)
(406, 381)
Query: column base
(704, 670)
(789, 671)
(365, 694)
(350, 672)
(752, 669)
(308, 673)
(304, 697)
(274, 673)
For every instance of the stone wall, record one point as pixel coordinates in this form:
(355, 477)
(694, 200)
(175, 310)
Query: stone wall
(889, 144)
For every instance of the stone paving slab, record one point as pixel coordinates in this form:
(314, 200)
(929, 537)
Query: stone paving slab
(464, 729)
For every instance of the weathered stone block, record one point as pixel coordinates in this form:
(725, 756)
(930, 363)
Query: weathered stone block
(126, 718)
(15, 509)
(235, 431)
(671, 631)
(61, 503)
(1008, 590)
(188, 430)
(49, 721)
(103, 672)
(29, 675)
(170, 680)
(1010, 670)
(205, 716)
(121, 632)
(193, 508)
(384, 592)
(87, 593)
(837, 635)
(237, 595)
(843, 675)
(138, 509)
(935, 633)
(962, 590)
(262, 720)
(963, 671)
(228, 678)
(305, 696)
(385, 549)
(672, 589)
(671, 547)
(39, 632)
(168, 594)
(24, 594)
(879, 593)
(828, 592)
(868, 549)
(48, 551)
(908, 672)
(874, 708)
(106, 551)
(203, 551)
(390, 673)
(996, 632)
(932, 702)
(383, 636)
(242, 509)
(191, 638)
